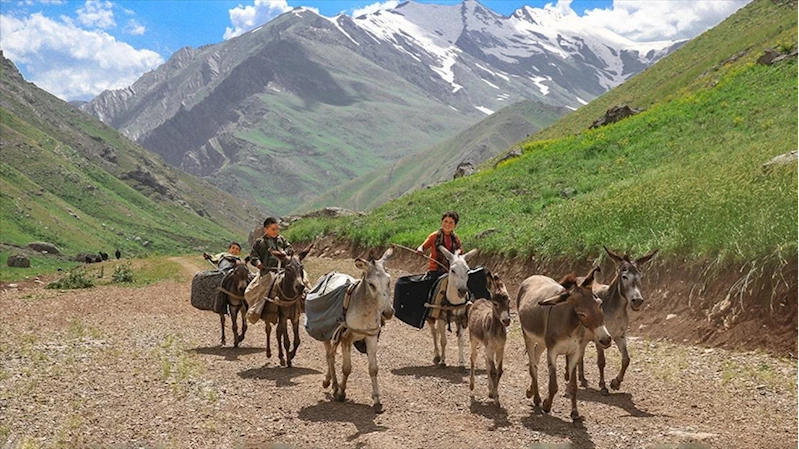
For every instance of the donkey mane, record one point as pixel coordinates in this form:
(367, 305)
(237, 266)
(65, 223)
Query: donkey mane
(568, 281)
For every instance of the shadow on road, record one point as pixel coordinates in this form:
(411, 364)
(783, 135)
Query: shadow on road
(282, 376)
(454, 374)
(623, 401)
(362, 416)
(490, 410)
(229, 353)
(575, 432)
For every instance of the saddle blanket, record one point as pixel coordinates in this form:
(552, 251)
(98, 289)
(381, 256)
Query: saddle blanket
(204, 289)
(324, 305)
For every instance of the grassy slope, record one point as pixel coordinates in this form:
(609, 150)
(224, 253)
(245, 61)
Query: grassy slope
(432, 165)
(51, 166)
(684, 176)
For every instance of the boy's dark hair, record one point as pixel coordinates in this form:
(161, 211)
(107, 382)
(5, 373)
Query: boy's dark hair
(270, 221)
(235, 243)
(452, 214)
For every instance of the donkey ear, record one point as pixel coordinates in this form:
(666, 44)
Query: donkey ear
(554, 300)
(305, 252)
(644, 259)
(470, 254)
(446, 253)
(361, 264)
(590, 278)
(387, 255)
(279, 254)
(616, 258)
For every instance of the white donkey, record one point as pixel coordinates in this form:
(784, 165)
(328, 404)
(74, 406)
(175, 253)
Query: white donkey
(366, 308)
(456, 311)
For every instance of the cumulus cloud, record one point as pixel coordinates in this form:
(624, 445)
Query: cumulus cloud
(68, 61)
(134, 28)
(244, 18)
(97, 14)
(657, 20)
(374, 7)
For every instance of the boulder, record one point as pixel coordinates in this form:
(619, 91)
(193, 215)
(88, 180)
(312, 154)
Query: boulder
(615, 114)
(43, 246)
(789, 158)
(464, 169)
(512, 154)
(18, 261)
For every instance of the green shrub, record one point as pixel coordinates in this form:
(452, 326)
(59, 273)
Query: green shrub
(122, 274)
(75, 278)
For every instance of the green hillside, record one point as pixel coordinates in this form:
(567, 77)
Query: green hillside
(438, 163)
(685, 176)
(68, 179)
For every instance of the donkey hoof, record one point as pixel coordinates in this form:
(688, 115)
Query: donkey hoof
(576, 416)
(436, 359)
(339, 396)
(325, 383)
(471, 385)
(241, 338)
(537, 401)
(604, 391)
(529, 394)
(584, 383)
(236, 344)
(378, 408)
(491, 395)
(282, 361)
(615, 384)
(288, 363)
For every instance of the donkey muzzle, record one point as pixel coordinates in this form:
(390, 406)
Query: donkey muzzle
(388, 313)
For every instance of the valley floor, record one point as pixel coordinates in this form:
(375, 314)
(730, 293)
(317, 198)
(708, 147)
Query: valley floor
(124, 367)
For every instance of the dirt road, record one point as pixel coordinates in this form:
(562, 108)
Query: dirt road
(124, 367)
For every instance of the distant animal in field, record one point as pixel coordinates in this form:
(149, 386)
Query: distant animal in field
(118, 254)
(89, 259)
(103, 255)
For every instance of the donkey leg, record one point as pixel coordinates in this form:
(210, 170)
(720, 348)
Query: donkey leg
(346, 368)
(244, 309)
(222, 320)
(371, 352)
(600, 363)
(621, 342)
(460, 333)
(268, 329)
(473, 342)
(499, 356)
(581, 367)
(491, 368)
(572, 387)
(282, 340)
(534, 351)
(441, 325)
(434, 333)
(234, 311)
(552, 358)
(330, 355)
(295, 326)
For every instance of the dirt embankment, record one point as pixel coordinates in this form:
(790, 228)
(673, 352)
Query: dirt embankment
(742, 306)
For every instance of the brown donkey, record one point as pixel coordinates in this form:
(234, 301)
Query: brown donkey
(488, 320)
(288, 293)
(556, 316)
(232, 291)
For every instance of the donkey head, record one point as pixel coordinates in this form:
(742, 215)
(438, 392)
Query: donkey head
(458, 270)
(239, 278)
(587, 306)
(499, 298)
(629, 276)
(377, 280)
(294, 278)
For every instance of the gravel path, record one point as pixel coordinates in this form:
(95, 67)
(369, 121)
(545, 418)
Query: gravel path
(115, 366)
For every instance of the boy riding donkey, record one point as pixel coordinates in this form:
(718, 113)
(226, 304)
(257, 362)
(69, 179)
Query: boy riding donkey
(267, 264)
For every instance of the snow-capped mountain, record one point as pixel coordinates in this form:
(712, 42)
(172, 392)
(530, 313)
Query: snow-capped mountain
(306, 102)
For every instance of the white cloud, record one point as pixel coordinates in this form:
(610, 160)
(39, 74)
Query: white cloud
(245, 18)
(71, 62)
(374, 7)
(655, 20)
(134, 28)
(97, 14)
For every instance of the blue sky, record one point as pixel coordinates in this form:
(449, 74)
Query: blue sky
(76, 49)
